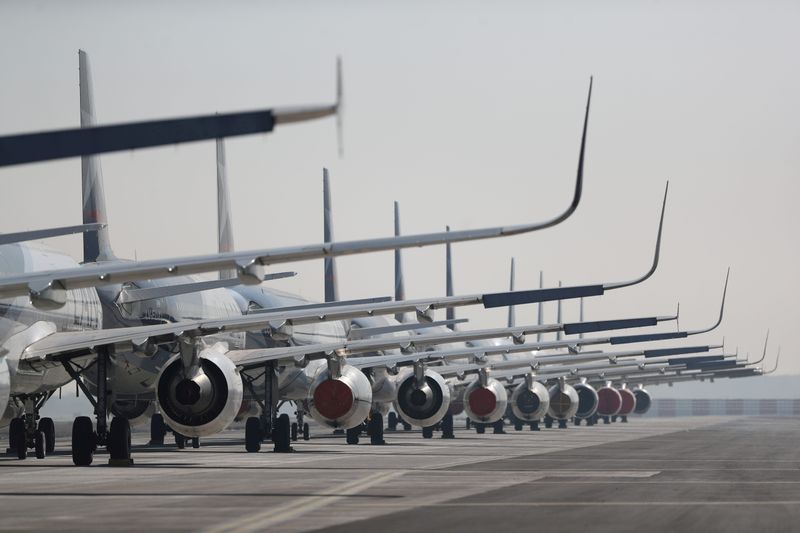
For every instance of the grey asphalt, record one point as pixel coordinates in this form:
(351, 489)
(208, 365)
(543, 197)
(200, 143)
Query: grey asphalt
(687, 474)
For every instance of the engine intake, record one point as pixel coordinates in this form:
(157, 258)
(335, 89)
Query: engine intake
(563, 401)
(643, 401)
(205, 402)
(610, 401)
(422, 404)
(529, 403)
(485, 404)
(341, 402)
(628, 402)
(587, 400)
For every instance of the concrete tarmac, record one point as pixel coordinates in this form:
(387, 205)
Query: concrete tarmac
(688, 474)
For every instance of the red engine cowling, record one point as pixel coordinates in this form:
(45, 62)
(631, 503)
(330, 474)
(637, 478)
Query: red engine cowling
(628, 402)
(609, 401)
(341, 402)
(486, 404)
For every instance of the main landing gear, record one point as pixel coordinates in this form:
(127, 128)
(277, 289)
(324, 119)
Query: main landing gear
(85, 438)
(25, 434)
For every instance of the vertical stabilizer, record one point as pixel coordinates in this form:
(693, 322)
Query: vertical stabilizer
(96, 245)
(399, 285)
(511, 315)
(224, 225)
(451, 312)
(559, 334)
(331, 285)
(540, 320)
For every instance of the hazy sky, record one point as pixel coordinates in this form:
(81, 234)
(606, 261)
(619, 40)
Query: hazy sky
(468, 114)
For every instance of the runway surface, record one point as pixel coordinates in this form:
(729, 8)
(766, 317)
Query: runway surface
(687, 474)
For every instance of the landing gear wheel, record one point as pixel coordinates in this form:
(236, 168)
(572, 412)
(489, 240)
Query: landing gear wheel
(253, 434)
(469, 423)
(548, 422)
(406, 426)
(17, 440)
(119, 440)
(498, 427)
(180, 441)
(280, 435)
(577, 421)
(306, 432)
(447, 426)
(353, 434)
(294, 431)
(392, 421)
(480, 429)
(47, 427)
(195, 442)
(376, 429)
(517, 426)
(535, 425)
(158, 429)
(427, 432)
(39, 444)
(562, 423)
(83, 441)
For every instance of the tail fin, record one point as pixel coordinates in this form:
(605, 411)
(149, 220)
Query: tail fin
(541, 307)
(331, 285)
(559, 336)
(399, 285)
(224, 226)
(96, 245)
(451, 311)
(511, 315)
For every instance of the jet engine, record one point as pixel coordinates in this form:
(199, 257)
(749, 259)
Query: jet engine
(136, 411)
(485, 403)
(587, 400)
(529, 403)
(205, 401)
(643, 401)
(609, 401)
(8, 408)
(340, 402)
(628, 402)
(563, 401)
(422, 402)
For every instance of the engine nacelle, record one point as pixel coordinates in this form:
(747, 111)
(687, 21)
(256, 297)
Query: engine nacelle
(610, 401)
(7, 407)
(587, 400)
(422, 404)
(643, 401)
(136, 411)
(530, 403)
(205, 402)
(486, 404)
(628, 402)
(342, 402)
(563, 401)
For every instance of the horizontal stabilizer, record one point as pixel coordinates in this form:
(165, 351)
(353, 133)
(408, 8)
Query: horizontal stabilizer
(503, 299)
(35, 235)
(662, 352)
(692, 360)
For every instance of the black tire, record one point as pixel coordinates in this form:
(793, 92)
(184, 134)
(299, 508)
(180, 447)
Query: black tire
(294, 431)
(196, 442)
(480, 429)
(253, 435)
(158, 429)
(577, 421)
(427, 432)
(391, 421)
(517, 426)
(353, 434)
(306, 432)
(469, 423)
(119, 439)
(17, 439)
(39, 444)
(83, 441)
(406, 426)
(280, 435)
(47, 427)
(180, 441)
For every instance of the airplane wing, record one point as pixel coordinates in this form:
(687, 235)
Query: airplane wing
(37, 234)
(48, 288)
